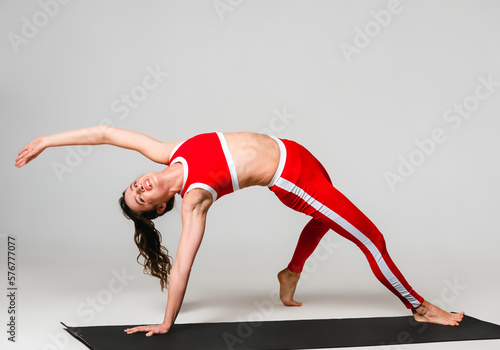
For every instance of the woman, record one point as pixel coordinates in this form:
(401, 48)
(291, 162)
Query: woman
(209, 166)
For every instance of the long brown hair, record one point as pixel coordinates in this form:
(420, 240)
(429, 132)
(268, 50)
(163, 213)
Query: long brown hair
(157, 262)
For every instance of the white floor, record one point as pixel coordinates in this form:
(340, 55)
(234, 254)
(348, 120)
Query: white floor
(94, 295)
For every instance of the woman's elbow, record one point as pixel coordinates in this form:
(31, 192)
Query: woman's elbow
(103, 132)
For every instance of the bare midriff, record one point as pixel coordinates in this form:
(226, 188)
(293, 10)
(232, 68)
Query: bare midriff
(256, 157)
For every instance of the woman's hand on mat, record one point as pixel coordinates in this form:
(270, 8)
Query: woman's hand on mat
(31, 151)
(151, 330)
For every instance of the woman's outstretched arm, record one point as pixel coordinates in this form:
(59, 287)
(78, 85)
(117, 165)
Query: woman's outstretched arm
(195, 206)
(155, 150)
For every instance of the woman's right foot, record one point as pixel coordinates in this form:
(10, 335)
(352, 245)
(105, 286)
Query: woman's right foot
(288, 282)
(430, 313)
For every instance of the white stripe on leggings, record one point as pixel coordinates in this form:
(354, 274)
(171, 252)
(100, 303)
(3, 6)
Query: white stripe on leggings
(323, 209)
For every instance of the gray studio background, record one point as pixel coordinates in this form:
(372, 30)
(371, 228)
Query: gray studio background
(353, 86)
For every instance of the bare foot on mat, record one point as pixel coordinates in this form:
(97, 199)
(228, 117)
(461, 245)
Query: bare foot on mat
(430, 313)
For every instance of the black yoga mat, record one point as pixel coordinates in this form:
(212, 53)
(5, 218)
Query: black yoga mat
(301, 334)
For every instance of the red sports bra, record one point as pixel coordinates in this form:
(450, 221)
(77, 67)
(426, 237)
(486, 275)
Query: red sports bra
(207, 163)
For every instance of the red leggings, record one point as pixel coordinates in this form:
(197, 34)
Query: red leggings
(303, 184)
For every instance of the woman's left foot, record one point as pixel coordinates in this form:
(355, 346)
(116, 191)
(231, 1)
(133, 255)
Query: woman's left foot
(430, 313)
(288, 282)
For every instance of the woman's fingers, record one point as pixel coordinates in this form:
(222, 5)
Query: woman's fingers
(29, 152)
(20, 162)
(22, 159)
(21, 154)
(138, 329)
(132, 330)
(150, 330)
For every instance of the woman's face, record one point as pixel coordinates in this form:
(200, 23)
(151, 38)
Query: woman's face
(145, 193)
